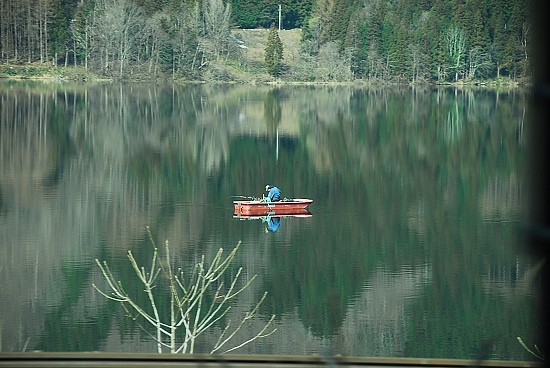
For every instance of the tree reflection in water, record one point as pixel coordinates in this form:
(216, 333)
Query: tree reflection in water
(417, 197)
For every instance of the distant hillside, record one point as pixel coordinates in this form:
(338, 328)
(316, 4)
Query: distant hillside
(256, 39)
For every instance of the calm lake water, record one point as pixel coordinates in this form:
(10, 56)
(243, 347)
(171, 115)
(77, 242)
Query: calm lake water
(413, 248)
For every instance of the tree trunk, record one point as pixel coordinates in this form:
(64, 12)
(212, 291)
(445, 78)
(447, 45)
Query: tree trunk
(86, 47)
(41, 41)
(29, 33)
(45, 31)
(15, 36)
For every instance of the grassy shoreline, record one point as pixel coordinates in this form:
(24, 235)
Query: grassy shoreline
(46, 72)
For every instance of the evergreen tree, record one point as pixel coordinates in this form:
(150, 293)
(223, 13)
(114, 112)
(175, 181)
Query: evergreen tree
(374, 24)
(355, 47)
(425, 5)
(500, 35)
(80, 29)
(397, 52)
(261, 13)
(513, 49)
(338, 21)
(62, 13)
(274, 52)
(479, 35)
(295, 12)
(388, 47)
(460, 15)
(376, 38)
(245, 13)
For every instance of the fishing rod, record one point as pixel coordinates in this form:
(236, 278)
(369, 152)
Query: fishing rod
(245, 197)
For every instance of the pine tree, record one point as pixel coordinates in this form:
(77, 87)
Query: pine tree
(274, 52)
(295, 12)
(246, 14)
(479, 34)
(338, 21)
(375, 24)
(58, 32)
(355, 47)
(499, 42)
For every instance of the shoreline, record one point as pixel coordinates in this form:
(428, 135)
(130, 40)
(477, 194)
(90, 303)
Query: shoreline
(49, 73)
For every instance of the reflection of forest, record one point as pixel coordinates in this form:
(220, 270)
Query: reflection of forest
(85, 168)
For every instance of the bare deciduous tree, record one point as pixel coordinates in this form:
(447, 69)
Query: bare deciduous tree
(375, 63)
(479, 61)
(334, 67)
(456, 48)
(217, 22)
(198, 300)
(418, 64)
(81, 31)
(118, 30)
(311, 44)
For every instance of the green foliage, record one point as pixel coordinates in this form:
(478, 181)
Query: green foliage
(62, 13)
(339, 21)
(254, 13)
(374, 37)
(382, 33)
(9, 71)
(274, 53)
(477, 33)
(296, 12)
(355, 47)
(245, 14)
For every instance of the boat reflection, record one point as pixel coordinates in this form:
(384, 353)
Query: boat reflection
(273, 219)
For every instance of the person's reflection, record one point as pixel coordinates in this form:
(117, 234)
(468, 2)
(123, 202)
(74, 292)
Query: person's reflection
(272, 223)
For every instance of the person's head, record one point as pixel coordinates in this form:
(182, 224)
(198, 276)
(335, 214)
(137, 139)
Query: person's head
(267, 187)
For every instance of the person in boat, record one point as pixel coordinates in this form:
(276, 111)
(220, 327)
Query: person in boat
(273, 195)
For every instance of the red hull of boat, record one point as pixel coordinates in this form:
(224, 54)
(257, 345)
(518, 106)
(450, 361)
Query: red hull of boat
(281, 207)
(301, 214)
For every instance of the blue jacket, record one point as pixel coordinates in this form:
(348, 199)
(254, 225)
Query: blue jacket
(274, 223)
(274, 194)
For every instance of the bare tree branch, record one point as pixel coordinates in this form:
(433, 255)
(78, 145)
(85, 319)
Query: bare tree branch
(193, 307)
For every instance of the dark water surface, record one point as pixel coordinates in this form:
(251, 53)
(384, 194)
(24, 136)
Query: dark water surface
(412, 249)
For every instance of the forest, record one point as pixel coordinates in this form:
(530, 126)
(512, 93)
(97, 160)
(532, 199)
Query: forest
(397, 41)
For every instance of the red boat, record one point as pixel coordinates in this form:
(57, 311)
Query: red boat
(285, 206)
(299, 213)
